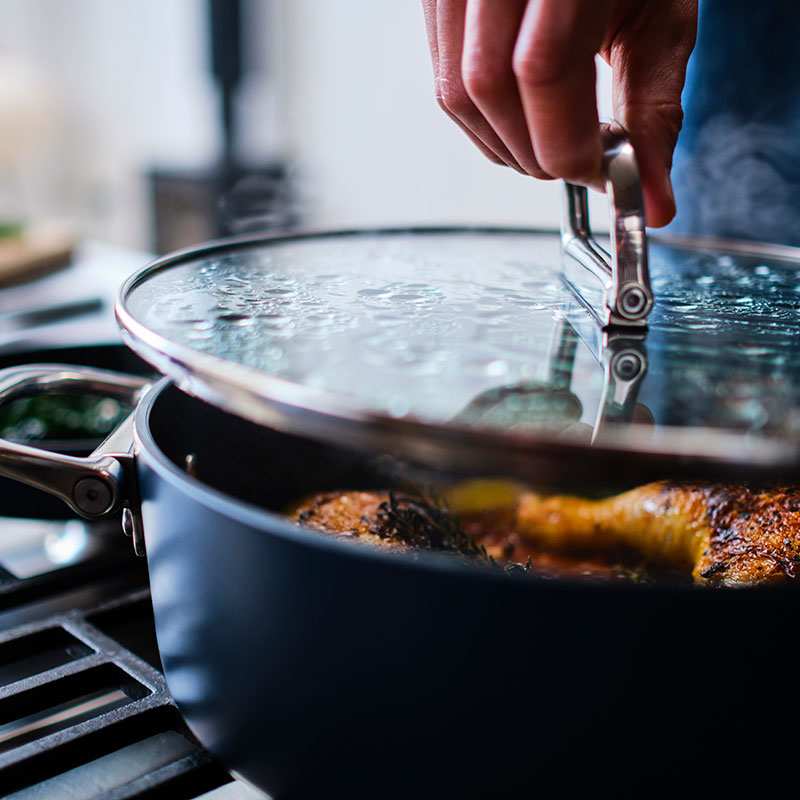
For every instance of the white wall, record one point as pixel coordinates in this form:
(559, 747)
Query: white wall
(128, 90)
(362, 115)
(342, 87)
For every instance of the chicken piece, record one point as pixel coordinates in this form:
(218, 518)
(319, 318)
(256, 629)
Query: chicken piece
(725, 534)
(345, 514)
(483, 530)
(382, 519)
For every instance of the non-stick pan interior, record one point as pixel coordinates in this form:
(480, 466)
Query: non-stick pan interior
(254, 463)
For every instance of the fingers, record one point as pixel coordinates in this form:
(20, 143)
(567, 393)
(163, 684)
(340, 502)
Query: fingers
(486, 64)
(648, 55)
(555, 71)
(519, 77)
(451, 94)
(513, 78)
(429, 12)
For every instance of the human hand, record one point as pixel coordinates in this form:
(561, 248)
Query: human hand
(518, 76)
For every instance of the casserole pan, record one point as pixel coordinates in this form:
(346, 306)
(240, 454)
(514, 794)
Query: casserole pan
(315, 667)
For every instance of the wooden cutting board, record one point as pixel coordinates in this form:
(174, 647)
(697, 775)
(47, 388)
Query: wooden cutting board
(38, 250)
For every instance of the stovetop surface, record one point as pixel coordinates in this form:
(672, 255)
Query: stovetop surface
(85, 711)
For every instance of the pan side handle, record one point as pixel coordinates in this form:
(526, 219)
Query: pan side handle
(97, 485)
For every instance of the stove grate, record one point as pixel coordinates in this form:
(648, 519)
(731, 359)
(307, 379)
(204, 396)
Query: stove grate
(85, 711)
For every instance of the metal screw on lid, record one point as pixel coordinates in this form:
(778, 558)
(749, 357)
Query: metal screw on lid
(634, 303)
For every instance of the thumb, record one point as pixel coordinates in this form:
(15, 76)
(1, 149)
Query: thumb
(648, 57)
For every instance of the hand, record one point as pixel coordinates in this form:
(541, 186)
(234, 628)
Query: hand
(518, 76)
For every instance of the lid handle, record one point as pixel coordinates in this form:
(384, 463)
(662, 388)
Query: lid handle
(614, 288)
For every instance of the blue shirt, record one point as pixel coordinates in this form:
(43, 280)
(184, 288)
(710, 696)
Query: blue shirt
(737, 165)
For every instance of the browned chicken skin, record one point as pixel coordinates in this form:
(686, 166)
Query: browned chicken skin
(723, 534)
(345, 514)
(486, 530)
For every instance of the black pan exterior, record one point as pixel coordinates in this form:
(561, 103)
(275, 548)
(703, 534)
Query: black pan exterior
(317, 669)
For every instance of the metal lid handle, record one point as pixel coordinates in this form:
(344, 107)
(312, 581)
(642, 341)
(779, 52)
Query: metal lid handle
(614, 288)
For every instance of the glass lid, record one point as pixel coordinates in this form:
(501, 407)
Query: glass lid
(465, 347)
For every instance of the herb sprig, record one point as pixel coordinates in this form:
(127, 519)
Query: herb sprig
(424, 523)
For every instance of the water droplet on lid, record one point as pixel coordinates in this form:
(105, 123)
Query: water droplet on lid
(389, 319)
(753, 350)
(233, 317)
(398, 407)
(406, 298)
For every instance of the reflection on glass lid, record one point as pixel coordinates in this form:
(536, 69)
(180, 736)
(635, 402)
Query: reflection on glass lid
(476, 328)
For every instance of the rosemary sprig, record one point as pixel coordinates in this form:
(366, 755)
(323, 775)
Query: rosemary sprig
(424, 523)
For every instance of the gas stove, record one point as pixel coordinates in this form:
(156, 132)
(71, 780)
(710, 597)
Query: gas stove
(84, 708)
(85, 711)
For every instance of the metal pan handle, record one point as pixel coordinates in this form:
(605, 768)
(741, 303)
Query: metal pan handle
(615, 288)
(94, 486)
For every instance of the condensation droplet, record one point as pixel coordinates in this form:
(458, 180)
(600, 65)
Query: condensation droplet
(496, 368)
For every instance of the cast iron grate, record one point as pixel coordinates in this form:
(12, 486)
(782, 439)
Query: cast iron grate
(84, 707)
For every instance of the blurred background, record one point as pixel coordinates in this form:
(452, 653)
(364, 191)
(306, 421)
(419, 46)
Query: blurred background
(154, 125)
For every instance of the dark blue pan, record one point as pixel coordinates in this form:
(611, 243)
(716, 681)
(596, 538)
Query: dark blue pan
(320, 668)
(317, 668)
